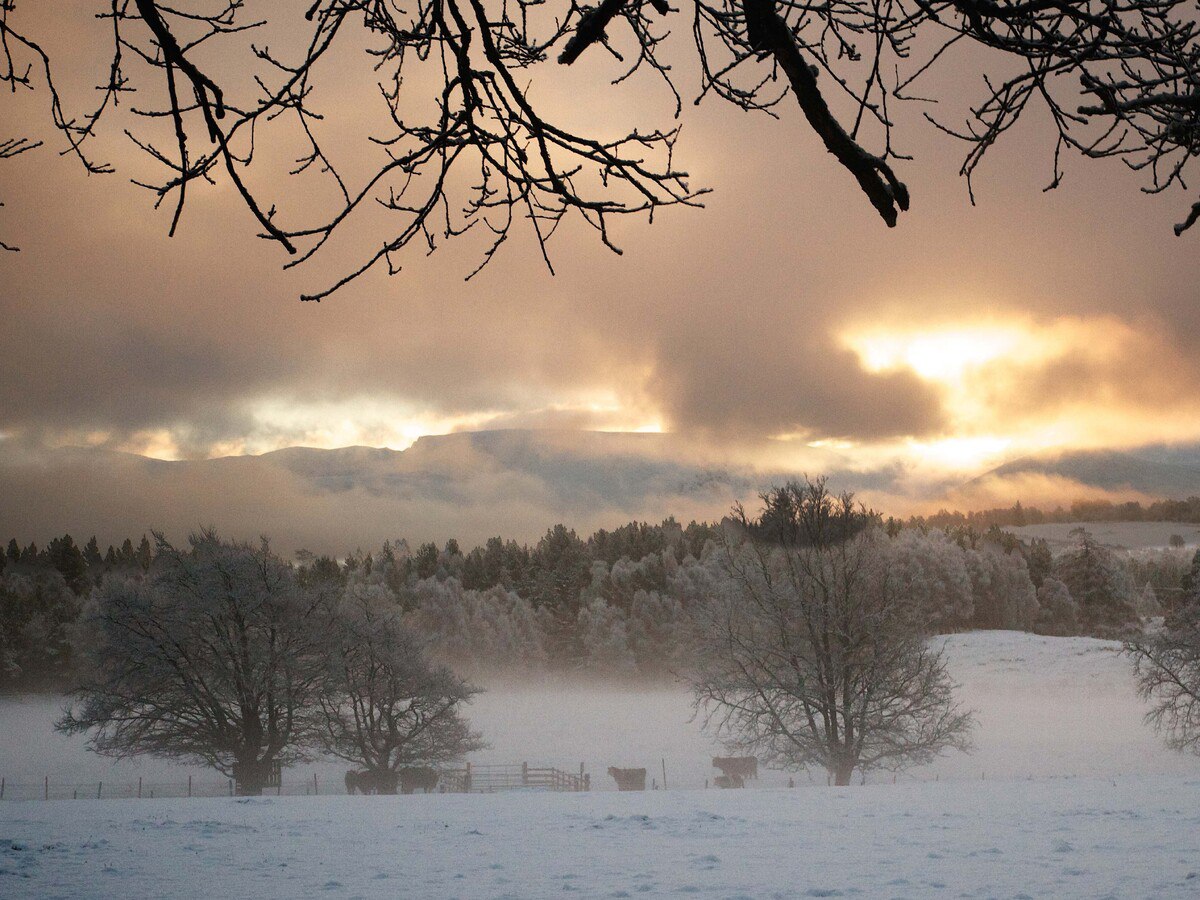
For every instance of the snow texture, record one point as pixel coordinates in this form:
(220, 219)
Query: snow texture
(1132, 837)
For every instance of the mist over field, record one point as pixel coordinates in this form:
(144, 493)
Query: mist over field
(1046, 707)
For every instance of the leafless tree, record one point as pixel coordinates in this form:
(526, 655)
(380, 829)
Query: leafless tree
(212, 658)
(810, 656)
(384, 705)
(1167, 667)
(465, 146)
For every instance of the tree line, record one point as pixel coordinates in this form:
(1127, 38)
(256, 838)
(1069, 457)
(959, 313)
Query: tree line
(616, 602)
(1185, 512)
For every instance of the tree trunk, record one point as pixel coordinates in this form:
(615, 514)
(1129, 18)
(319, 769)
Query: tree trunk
(250, 778)
(842, 773)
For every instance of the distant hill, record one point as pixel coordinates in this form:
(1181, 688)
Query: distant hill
(469, 485)
(514, 483)
(1156, 471)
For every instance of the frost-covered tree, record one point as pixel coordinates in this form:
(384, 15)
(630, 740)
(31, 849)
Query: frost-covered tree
(383, 705)
(1099, 583)
(659, 633)
(932, 573)
(37, 615)
(1058, 613)
(479, 631)
(213, 658)
(603, 636)
(1147, 605)
(809, 652)
(1003, 591)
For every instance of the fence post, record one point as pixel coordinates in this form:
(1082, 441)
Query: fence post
(189, 785)
(46, 788)
(139, 787)
(316, 789)
(664, 768)
(467, 780)
(99, 789)
(230, 787)
(75, 793)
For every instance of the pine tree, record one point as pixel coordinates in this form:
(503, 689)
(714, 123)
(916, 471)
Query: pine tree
(427, 561)
(68, 561)
(1099, 584)
(144, 555)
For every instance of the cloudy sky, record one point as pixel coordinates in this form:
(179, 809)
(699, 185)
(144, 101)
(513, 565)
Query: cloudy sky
(781, 318)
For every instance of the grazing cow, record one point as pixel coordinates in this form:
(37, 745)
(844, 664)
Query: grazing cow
(628, 779)
(740, 766)
(371, 781)
(413, 777)
(729, 781)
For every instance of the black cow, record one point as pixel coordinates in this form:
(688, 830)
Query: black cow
(740, 766)
(414, 777)
(371, 781)
(628, 779)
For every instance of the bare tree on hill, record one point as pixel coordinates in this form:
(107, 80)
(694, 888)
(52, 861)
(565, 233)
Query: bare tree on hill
(462, 142)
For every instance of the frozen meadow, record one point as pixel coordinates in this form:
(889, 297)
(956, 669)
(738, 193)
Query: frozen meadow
(1067, 794)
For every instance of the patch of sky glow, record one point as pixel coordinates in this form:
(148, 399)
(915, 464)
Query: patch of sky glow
(279, 422)
(943, 355)
(961, 453)
(982, 371)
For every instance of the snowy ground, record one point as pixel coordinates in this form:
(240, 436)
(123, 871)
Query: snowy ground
(1066, 794)
(1132, 837)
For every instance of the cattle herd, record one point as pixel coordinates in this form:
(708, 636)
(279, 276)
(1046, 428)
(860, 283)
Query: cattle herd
(408, 779)
(735, 770)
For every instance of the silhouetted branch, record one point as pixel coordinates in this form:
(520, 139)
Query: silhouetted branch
(478, 154)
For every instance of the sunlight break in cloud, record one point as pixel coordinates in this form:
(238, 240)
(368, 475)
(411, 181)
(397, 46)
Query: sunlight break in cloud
(1014, 385)
(278, 422)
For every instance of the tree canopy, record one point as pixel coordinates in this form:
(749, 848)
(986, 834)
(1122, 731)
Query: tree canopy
(811, 651)
(214, 657)
(464, 141)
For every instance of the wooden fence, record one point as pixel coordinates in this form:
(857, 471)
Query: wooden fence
(515, 777)
(65, 789)
(467, 780)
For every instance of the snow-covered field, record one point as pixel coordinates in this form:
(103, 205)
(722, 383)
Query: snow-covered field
(1067, 794)
(1119, 535)
(1134, 837)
